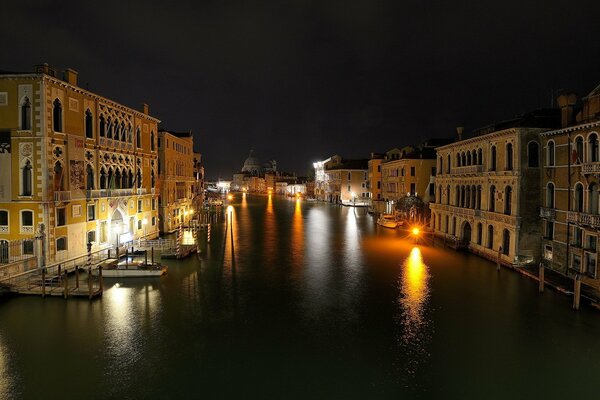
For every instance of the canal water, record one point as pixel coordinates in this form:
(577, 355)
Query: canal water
(305, 300)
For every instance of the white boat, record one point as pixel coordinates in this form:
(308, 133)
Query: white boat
(132, 271)
(388, 221)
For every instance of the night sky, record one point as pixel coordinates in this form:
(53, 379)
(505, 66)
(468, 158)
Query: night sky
(298, 81)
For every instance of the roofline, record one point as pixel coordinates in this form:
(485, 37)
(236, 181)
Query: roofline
(570, 129)
(488, 136)
(81, 90)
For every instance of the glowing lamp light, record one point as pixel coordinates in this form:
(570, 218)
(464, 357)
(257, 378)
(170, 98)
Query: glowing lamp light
(270, 192)
(230, 197)
(416, 231)
(145, 221)
(192, 211)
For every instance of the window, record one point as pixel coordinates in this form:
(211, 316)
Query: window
(550, 195)
(593, 147)
(550, 155)
(590, 264)
(480, 156)
(139, 224)
(492, 199)
(578, 151)
(91, 212)
(509, 157)
(533, 155)
(413, 189)
(27, 218)
(3, 221)
(61, 244)
(102, 126)
(89, 177)
(508, 200)
(449, 163)
(138, 138)
(490, 237)
(593, 198)
(26, 114)
(139, 206)
(505, 242)
(576, 264)
(61, 217)
(549, 230)
(433, 170)
(479, 233)
(577, 240)
(26, 179)
(153, 221)
(28, 247)
(58, 177)
(57, 122)
(548, 254)
(412, 171)
(91, 236)
(432, 190)
(89, 124)
(591, 243)
(493, 158)
(578, 203)
(152, 140)
(103, 178)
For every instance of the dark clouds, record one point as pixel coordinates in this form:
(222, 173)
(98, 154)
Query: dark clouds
(300, 80)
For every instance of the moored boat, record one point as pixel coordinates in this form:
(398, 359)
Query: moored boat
(388, 221)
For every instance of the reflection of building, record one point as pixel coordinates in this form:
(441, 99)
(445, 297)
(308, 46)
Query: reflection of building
(198, 189)
(570, 209)
(80, 164)
(177, 179)
(488, 189)
(377, 204)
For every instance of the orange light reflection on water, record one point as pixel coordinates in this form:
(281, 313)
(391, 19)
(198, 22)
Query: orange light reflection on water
(270, 235)
(297, 235)
(414, 292)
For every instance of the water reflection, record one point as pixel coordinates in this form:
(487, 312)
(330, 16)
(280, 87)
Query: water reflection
(297, 235)
(414, 332)
(5, 377)
(120, 325)
(270, 233)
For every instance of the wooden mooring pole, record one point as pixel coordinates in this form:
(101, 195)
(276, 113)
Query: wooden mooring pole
(577, 292)
(43, 282)
(499, 258)
(541, 277)
(90, 282)
(65, 284)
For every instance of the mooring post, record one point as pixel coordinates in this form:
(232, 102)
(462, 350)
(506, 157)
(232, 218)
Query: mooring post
(577, 292)
(101, 282)
(541, 277)
(152, 254)
(145, 257)
(59, 270)
(90, 282)
(126, 258)
(66, 285)
(499, 258)
(43, 282)
(77, 277)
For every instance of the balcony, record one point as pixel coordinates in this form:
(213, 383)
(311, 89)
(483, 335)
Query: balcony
(3, 228)
(27, 229)
(62, 195)
(591, 168)
(583, 218)
(469, 169)
(102, 141)
(140, 191)
(548, 213)
(102, 193)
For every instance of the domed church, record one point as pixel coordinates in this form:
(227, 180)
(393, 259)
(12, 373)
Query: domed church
(252, 165)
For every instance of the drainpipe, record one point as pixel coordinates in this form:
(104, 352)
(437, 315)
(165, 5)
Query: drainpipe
(568, 200)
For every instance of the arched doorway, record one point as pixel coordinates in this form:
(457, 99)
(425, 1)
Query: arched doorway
(4, 252)
(117, 227)
(466, 233)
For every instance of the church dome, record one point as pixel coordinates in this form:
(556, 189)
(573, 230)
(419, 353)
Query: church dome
(252, 164)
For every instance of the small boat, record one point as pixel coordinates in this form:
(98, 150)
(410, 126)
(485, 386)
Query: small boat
(132, 270)
(388, 221)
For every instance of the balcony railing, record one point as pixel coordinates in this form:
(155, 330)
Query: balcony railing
(469, 169)
(141, 191)
(102, 141)
(97, 194)
(591, 168)
(548, 213)
(27, 229)
(3, 228)
(583, 218)
(62, 195)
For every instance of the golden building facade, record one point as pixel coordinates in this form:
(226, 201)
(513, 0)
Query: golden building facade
(376, 203)
(347, 183)
(177, 179)
(570, 185)
(79, 165)
(487, 191)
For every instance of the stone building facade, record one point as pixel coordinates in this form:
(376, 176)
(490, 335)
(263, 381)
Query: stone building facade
(570, 185)
(487, 190)
(80, 165)
(177, 179)
(348, 183)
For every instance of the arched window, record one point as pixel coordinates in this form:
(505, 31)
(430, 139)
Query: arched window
(469, 158)
(102, 126)
(4, 221)
(152, 179)
(26, 218)
(103, 178)
(449, 164)
(57, 122)
(111, 179)
(490, 237)
(152, 141)
(118, 179)
(89, 124)
(509, 157)
(473, 197)
(505, 242)
(448, 195)
(109, 128)
(58, 177)
(493, 158)
(125, 180)
(138, 138)
(468, 197)
(462, 196)
(593, 198)
(117, 128)
(130, 179)
(578, 150)
(129, 134)
(458, 162)
(457, 196)
(446, 226)
(479, 157)
(508, 200)
(138, 178)
(89, 182)
(578, 203)
(453, 226)
(441, 163)
(550, 195)
(123, 132)
(479, 233)
(26, 179)
(492, 199)
(463, 159)
(550, 156)
(533, 155)
(26, 114)
(478, 206)
(593, 147)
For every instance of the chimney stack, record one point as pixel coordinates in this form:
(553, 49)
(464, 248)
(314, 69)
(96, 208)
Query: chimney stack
(44, 69)
(459, 132)
(70, 76)
(145, 108)
(566, 103)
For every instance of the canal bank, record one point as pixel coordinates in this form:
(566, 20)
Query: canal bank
(314, 301)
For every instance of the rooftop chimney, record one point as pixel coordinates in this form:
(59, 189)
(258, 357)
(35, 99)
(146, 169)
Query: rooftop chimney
(70, 76)
(44, 69)
(459, 132)
(566, 103)
(145, 108)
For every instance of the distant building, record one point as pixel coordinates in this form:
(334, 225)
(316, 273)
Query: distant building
(488, 189)
(177, 179)
(347, 183)
(255, 176)
(570, 183)
(321, 177)
(377, 204)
